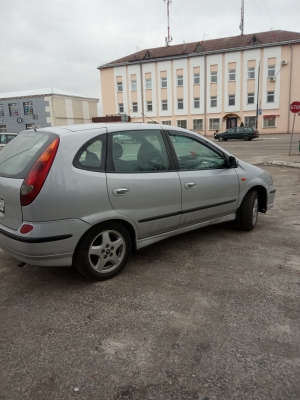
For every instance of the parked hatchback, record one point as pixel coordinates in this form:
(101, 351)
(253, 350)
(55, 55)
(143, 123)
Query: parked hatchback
(237, 133)
(78, 195)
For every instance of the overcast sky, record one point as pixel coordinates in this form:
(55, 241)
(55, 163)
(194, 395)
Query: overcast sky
(60, 43)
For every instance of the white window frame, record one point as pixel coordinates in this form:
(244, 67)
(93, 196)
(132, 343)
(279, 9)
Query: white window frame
(179, 80)
(250, 96)
(163, 82)
(180, 104)
(164, 105)
(231, 74)
(166, 122)
(266, 122)
(196, 122)
(196, 102)
(251, 71)
(133, 85)
(149, 106)
(121, 107)
(2, 114)
(246, 121)
(269, 94)
(214, 99)
(213, 76)
(148, 83)
(181, 122)
(135, 107)
(120, 87)
(196, 78)
(230, 98)
(213, 124)
(271, 71)
(3, 129)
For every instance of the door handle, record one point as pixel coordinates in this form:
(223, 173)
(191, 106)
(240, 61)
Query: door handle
(120, 192)
(190, 185)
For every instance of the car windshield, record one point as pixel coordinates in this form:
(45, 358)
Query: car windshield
(17, 156)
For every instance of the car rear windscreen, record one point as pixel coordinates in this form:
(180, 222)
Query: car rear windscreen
(19, 155)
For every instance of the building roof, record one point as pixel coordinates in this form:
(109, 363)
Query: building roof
(249, 41)
(41, 93)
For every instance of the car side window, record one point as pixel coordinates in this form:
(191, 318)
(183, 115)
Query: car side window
(193, 155)
(139, 151)
(3, 139)
(91, 155)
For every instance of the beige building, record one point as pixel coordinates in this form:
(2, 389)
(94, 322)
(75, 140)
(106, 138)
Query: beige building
(209, 85)
(44, 107)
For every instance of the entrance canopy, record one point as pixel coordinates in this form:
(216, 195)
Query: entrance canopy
(231, 116)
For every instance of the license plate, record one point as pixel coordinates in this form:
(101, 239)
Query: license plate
(2, 206)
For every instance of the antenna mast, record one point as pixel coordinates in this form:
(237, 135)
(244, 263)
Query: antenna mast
(242, 18)
(169, 38)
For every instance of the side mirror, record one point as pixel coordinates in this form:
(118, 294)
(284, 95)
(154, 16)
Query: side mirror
(232, 162)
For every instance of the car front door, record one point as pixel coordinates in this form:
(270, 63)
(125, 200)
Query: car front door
(142, 182)
(209, 188)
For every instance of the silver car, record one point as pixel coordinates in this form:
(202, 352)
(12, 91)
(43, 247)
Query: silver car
(80, 195)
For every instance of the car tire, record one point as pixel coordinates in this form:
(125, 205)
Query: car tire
(220, 139)
(225, 140)
(248, 211)
(245, 138)
(103, 251)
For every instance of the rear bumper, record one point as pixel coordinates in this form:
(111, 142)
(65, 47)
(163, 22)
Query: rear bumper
(48, 244)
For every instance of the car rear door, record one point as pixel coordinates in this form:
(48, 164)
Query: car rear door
(142, 181)
(209, 188)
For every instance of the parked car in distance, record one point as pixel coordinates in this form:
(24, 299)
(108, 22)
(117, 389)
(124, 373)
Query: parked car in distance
(6, 138)
(74, 196)
(245, 133)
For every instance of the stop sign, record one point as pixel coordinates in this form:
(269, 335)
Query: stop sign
(295, 107)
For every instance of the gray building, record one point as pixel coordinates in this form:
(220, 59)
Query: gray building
(44, 107)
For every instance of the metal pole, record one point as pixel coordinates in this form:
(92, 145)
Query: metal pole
(292, 134)
(290, 88)
(205, 95)
(256, 122)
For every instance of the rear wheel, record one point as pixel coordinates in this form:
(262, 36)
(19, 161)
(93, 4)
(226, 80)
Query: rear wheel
(103, 251)
(249, 211)
(245, 138)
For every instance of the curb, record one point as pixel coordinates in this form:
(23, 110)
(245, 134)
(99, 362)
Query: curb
(285, 163)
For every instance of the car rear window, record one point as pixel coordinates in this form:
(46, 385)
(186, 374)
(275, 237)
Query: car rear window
(19, 155)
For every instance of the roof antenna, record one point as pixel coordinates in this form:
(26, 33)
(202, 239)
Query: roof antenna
(169, 38)
(242, 18)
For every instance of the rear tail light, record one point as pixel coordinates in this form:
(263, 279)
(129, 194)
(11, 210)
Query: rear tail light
(36, 177)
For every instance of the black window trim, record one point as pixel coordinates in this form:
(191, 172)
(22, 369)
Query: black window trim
(76, 164)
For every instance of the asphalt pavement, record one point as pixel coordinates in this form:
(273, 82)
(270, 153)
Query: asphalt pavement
(210, 315)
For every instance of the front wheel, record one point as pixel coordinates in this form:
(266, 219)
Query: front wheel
(220, 139)
(249, 211)
(103, 251)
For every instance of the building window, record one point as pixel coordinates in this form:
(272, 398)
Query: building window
(196, 79)
(196, 102)
(30, 126)
(269, 122)
(152, 122)
(250, 122)
(250, 98)
(120, 86)
(231, 75)
(271, 70)
(28, 108)
(214, 123)
(134, 107)
(179, 80)
(197, 124)
(164, 82)
(121, 107)
(231, 100)
(1, 110)
(251, 73)
(213, 101)
(166, 122)
(180, 104)
(2, 128)
(149, 105)
(148, 84)
(270, 97)
(13, 109)
(133, 85)
(182, 123)
(164, 105)
(214, 76)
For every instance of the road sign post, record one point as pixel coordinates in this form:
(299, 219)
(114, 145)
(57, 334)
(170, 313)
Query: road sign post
(295, 108)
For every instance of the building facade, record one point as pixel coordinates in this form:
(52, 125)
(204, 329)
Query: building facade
(210, 85)
(44, 107)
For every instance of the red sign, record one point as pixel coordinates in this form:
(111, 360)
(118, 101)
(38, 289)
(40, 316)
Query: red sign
(295, 107)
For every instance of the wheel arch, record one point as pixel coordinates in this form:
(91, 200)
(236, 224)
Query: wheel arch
(262, 197)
